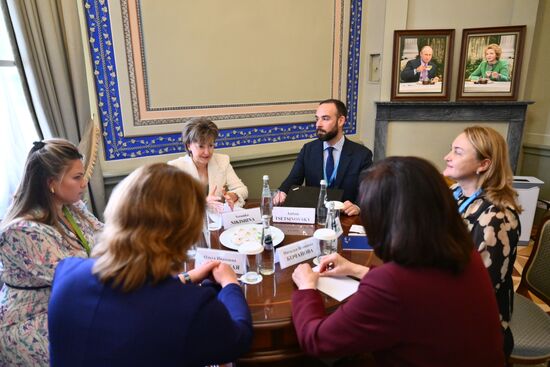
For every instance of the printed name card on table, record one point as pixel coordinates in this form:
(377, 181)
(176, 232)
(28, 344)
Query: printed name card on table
(297, 252)
(234, 259)
(293, 215)
(234, 218)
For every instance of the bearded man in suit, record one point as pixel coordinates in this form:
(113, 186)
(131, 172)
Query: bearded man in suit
(331, 157)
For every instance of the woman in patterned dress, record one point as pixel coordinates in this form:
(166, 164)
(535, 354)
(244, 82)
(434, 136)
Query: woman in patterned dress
(478, 162)
(46, 222)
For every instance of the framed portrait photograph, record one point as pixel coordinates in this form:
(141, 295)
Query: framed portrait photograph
(422, 64)
(490, 63)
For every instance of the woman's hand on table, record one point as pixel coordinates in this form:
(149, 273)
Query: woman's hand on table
(337, 265)
(224, 274)
(230, 198)
(202, 272)
(304, 277)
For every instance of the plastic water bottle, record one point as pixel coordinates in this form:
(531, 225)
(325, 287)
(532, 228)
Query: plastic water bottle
(321, 208)
(267, 266)
(266, 205)
(332, 224)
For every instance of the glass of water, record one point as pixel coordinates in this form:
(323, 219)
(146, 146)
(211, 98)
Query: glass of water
(327, 240)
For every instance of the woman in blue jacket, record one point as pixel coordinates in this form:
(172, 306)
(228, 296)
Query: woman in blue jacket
(131, 305)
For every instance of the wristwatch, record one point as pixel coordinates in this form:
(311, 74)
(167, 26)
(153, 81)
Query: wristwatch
(186, 277)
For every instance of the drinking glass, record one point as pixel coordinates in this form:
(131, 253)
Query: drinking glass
(327, 240)
(253, 252)
(214, 219)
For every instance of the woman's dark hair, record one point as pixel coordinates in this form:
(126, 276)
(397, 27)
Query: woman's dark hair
(411, 216)
(199, 130)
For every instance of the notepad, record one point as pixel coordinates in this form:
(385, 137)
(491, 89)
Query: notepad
(338, 288)
(356, 243)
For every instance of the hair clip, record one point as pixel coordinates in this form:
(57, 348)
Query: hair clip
(37, 145)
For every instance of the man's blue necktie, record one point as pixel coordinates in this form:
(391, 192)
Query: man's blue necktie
(330, 166)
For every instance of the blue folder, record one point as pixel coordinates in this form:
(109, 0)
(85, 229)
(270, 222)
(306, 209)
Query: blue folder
(356, 243)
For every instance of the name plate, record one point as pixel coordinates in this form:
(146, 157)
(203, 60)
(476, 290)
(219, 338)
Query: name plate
(293, 215)
(297, 252)
(234, 218)
(234, 259)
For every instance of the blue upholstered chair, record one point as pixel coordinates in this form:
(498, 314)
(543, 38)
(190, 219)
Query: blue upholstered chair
(530, 324)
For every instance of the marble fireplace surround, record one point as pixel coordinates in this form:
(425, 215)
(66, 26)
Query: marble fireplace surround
(512, 113)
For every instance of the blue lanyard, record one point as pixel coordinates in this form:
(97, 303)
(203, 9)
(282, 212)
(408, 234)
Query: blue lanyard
(333, 176)
(466, 202)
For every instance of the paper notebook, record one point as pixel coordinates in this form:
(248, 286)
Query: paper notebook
(338, 288)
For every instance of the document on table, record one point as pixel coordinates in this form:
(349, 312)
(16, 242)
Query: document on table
(338, 288)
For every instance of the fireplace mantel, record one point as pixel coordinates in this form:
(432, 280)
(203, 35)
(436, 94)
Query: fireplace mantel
(512, 113)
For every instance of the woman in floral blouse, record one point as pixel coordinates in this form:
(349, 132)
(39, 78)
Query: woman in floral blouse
(46, 222)
(478, 162)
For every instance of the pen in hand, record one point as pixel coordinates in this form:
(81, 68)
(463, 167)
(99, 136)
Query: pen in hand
(328, 267)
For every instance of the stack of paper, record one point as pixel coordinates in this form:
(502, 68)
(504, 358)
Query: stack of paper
(338, 288)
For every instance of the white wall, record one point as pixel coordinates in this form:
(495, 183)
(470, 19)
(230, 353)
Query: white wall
(383, 17)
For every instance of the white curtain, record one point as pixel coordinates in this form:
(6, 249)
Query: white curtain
(48, 34)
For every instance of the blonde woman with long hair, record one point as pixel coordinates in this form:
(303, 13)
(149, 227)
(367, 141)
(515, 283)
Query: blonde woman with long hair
(46, 222)
(479, 163)
(492, 67)
(131, 305)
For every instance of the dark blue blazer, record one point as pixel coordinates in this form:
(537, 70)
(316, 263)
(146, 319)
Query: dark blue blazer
(165, 324)
(354, 159)
(408, 75)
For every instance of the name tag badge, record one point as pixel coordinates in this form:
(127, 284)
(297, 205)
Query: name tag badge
(234, 259)
(293, 215)
(297, 252)
(246, 216)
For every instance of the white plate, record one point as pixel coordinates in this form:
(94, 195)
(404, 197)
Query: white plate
(237, 235)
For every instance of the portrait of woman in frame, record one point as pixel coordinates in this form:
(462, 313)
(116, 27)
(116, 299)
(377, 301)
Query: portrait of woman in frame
(422, 64)
(490, 63)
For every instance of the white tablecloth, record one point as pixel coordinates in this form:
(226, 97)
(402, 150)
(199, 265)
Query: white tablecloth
(470, 87)
(419, 88)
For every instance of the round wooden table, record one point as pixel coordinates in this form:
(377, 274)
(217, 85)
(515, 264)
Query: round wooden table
(270, 301)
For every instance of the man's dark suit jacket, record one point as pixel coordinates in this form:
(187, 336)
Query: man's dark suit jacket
(408, 75)
(309, 166)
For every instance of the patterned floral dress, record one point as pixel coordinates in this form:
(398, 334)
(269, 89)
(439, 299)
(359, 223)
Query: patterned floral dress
(496, 234)
(29, 253)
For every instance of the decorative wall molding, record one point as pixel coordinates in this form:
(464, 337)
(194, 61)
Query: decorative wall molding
(110, 182)
(512, 113)
(118, 146)
(536, 149)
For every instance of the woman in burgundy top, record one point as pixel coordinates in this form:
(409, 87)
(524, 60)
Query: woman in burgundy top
(430, 304)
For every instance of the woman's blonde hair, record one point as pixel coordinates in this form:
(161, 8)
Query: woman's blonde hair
(153, 216)
(494, 47)
(496, 181)
(47, 159)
